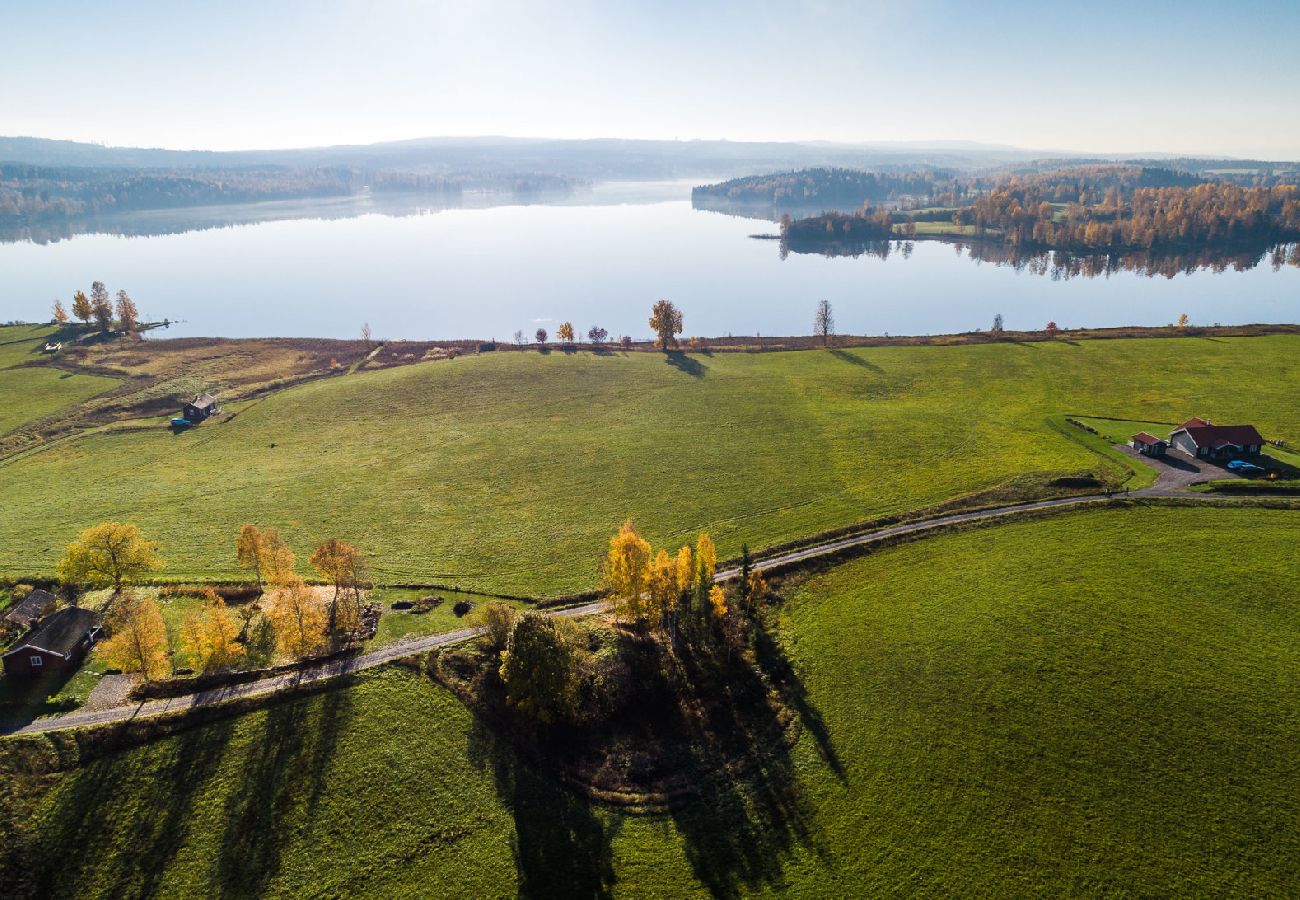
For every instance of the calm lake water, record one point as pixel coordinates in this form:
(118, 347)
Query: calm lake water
(491, 266)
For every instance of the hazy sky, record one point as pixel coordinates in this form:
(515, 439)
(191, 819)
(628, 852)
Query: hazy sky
(1190, 76)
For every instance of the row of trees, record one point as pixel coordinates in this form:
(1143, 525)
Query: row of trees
(303, 622)
(566, 334)
(99, 307)
(1150, 218)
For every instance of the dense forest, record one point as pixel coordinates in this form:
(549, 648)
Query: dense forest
(1029, 214)
(35, 194)
(1090, 209)
(840, 189)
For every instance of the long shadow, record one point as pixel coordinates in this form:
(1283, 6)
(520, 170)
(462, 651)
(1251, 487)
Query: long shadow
(23, 699)
(854, 359)
(561, 847)
(748, 813)
(86, 841)
(280, 787)
(773, 661)
(679, 360)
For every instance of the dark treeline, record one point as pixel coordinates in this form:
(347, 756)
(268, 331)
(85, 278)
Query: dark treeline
(832, 188)
(34, 194)
(836, 228)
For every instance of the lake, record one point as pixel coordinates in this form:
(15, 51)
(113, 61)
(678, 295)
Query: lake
(489, 266)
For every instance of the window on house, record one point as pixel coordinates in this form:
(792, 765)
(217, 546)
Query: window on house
(36, 661)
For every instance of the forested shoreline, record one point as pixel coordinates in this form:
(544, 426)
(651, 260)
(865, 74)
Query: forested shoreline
(38, 195)
(1087, 210)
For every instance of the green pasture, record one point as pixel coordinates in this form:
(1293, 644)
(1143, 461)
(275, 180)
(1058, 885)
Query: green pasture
(507, 472)
(28, 394)
(1057, 706)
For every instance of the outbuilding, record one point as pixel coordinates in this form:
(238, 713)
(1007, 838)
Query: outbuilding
(57, 644)
(1205, 440)
(203, 406)
(30, 608)
(1149, 444)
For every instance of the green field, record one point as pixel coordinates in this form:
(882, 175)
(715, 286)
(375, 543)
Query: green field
(29, 394)
(1055, 707)
(508, 471)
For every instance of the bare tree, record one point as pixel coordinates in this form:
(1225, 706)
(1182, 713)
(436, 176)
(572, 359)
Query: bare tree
(997, 324)
(519, 337)
(366, 337)
(597, 335)
(625, 342)
(824, 323)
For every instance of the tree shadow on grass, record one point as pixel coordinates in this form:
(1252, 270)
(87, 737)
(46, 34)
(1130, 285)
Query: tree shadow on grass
(679, 360)
(561, 847)
(122, 821)
(854, 359)
(280, 787)
(748, 813)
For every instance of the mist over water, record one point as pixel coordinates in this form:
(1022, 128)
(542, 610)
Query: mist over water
(417, 269)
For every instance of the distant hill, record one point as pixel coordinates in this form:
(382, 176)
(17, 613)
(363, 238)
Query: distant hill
(597, 158)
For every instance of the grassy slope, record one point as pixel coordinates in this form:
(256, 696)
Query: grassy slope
(994, 732)
(507, 472)
(29, 394)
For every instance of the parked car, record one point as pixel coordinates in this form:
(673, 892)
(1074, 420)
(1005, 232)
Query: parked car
(1240, 465)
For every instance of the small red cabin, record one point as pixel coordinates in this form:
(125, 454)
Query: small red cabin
(57, 644)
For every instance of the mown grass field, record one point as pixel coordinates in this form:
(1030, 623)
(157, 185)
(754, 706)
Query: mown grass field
(508, 471)
(29, 394)
(1056, 707)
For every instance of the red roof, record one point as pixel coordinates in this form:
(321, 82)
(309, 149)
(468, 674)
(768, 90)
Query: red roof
(1149, 439)
(1217, 436)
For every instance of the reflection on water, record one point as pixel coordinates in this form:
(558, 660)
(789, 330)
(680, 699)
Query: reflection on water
(488, 265)
(1061, 265)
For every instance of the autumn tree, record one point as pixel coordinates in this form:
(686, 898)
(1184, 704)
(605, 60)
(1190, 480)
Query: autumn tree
(101, 307)
(662, 591)
(60, 314)
(597, 335)
(541, 336)
(666, 322)
(1051, 329)
(298, 617)
(210, 636)
(627, 572)
(1184, 320)
(540, 667)
(248, 551)
(824, 322)
(138, 640)
(127, 314)
(277, 558)
(81, 307)
(109, 554)
(343, 566)
(565, 332)
(498, 621)
(264, 553)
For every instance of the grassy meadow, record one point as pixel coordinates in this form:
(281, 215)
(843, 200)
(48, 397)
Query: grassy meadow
(507, 472)
(1030, 717)
(28, 394)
